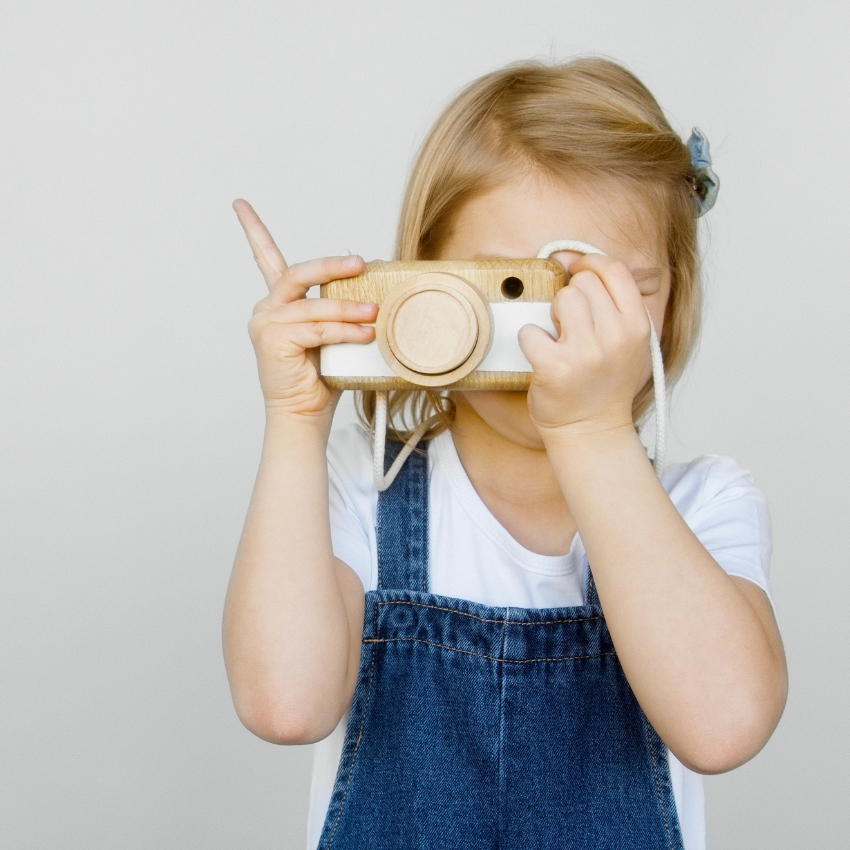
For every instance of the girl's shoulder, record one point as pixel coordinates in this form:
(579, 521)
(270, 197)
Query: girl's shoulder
(709, 481)
(349, 442)
(722, 505)
(350, 460)
(352, 500)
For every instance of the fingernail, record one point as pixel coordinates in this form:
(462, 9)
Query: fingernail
(351, 262)
(367, 308)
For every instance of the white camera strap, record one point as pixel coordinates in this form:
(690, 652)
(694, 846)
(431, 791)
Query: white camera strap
(379, 423)
(379, 436)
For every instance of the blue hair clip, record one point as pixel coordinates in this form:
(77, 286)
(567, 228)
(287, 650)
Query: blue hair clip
(706, 179)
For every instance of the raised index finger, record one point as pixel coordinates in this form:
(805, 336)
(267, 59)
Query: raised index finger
(266, 253)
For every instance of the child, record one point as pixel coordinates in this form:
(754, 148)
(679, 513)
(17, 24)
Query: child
(475, 696)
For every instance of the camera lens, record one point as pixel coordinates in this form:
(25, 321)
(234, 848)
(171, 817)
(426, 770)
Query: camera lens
(512, 287)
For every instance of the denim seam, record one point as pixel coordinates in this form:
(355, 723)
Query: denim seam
(424, 524)
(379, 524)
(485, 620)
(592, 592)
(503, 683)
(657, 781)
(481, 655)
(356, 749)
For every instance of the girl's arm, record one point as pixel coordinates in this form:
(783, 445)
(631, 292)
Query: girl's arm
(293, 615)
(700, 649)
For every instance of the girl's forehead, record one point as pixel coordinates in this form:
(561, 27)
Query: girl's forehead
(519, 216)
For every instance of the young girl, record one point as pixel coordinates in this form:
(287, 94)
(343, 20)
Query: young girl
(475, 696)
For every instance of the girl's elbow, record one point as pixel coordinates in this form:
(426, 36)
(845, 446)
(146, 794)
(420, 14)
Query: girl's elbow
(735, 729)
(280, 723)
(729, 744)
(718, 758)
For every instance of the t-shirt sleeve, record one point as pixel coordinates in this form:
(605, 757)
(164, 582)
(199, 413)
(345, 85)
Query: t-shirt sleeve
(349, 498)
(727, 512)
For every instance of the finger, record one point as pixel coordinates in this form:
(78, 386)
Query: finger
(616, 278)
(602, 308)
(536, 344)
(314, 334)
(300, 277)
(571, 312)
(266, 253)
(566, 259)
(324, 310)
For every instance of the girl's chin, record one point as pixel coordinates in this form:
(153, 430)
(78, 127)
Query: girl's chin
(506, 413)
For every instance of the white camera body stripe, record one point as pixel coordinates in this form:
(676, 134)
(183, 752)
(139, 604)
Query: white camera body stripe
(349, 360)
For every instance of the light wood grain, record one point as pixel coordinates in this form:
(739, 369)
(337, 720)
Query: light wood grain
(541, 281)
(503, 381)
(541, 278)
(434, 329)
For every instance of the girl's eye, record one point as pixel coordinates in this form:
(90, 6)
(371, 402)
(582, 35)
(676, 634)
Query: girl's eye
(648, 282)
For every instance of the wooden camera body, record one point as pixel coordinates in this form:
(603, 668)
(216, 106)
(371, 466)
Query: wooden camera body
(443, 324)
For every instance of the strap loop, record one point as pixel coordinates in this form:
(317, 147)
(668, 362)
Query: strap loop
(379, 437)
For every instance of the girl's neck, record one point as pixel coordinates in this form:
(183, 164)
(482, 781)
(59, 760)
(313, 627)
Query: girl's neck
(515, 482)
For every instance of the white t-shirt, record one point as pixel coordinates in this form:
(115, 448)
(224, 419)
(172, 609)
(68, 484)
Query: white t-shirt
(717, 499)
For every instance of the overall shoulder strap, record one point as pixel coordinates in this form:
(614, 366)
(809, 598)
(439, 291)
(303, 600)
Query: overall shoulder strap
(591, 595)
(402, 523)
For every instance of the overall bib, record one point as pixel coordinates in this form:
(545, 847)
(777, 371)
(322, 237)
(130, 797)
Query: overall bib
(478, 728)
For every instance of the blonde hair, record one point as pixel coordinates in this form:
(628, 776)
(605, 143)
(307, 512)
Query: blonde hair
(589, 123)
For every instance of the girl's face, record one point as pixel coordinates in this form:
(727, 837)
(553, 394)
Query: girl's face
(516, 220)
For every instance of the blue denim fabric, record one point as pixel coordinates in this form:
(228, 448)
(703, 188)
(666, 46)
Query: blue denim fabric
(479, 728)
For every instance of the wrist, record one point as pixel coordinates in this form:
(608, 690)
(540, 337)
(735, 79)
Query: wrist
(583, 443)
(297, 428)
(593, 464)
(589, 433)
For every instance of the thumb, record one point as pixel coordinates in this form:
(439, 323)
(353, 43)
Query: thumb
(535, 344)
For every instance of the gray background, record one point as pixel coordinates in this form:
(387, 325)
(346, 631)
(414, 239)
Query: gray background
(131, 414)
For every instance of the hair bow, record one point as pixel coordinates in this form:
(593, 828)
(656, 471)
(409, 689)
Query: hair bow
(707, 182)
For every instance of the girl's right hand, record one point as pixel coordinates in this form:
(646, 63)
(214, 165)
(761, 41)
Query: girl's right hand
(287, 327)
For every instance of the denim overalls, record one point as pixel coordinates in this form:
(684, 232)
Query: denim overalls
(478, 728)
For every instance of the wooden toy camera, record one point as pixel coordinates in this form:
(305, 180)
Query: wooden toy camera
(443, 324)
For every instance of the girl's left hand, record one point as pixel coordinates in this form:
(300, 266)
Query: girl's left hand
(586, 380)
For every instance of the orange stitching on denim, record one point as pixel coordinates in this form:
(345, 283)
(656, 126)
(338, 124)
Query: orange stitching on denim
(481, 655)
(658, 783)
(485, 620)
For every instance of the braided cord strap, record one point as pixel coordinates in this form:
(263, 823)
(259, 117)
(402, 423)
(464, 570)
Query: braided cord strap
(658, 380)
(379, 441)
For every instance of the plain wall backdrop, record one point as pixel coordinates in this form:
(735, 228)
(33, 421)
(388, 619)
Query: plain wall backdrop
(131, 415)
